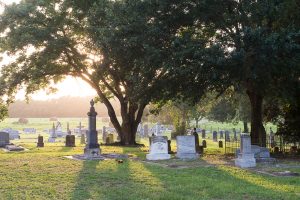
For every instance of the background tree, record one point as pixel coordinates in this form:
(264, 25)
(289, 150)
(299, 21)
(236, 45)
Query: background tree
(262, 54)
(118, 47)
(3, 111)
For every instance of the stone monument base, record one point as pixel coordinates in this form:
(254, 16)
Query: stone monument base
(158, 156)
(92, 152)
(245, 160)
(187, 155)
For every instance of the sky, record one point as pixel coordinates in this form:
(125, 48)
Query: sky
(69, 87)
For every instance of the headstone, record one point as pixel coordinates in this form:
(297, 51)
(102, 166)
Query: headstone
(245, 157)
(261, 154)
(82, 138)
(70, 140)
(215, 136)
(220, 144)
(146, 130)
(29, 130)
(40, 142)
(227, 136)
(204, 143)
(221, 134)
(186, 147)
(52, 134)
(4, 139)
(158, 148)
(13, 134)
(92, 148)
(203, 134)
(110, 139)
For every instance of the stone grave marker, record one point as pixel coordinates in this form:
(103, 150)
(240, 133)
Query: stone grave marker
(92, 148)
(40, 142)
(215, 136)
(245, 157)
(29, 130)
(204, 144)
(221, 134)
(158, 148)
(186, 148)
(110, 139)
(4, 139)
(70, 140)
(82, 138)
(13, 134)
(227, 136)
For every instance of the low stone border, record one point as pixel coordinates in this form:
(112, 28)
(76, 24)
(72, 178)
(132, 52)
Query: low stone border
(99, 157)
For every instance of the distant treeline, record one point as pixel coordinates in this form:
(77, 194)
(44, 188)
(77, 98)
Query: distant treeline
(62, 107)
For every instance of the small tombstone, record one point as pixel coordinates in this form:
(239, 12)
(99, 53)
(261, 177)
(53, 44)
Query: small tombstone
(146, 130)
(40, 142)
(221, 134)
(227, 136)
(203, 134)
(215, 136)
(245, 157)
(186, 148)
(204, 143)
(158, 148)
(70, 140)
(4, 139)
(110, 139)
(220, 144)
(82, 139)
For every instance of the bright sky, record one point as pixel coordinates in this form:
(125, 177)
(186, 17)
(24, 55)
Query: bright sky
(69, 87)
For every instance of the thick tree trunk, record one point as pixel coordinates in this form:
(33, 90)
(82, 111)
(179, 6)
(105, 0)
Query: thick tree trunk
(258, 133)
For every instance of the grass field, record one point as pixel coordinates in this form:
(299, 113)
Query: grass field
(44, 173)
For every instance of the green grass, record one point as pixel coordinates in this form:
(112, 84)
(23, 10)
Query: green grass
(44, 173)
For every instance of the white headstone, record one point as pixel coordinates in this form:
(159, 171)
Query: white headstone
(158, 148)
(186, 148)
(245, 157)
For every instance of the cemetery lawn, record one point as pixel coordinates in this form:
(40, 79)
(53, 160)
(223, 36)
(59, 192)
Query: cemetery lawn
(44, 173)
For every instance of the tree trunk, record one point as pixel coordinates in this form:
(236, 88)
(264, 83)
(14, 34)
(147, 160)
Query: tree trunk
(258, 132)
(246, 130)
(197, 122)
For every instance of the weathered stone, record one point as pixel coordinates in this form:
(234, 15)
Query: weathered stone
(245, 157)
(158, 148)
(4, 139)
(40, 142)
(70, 140)
(186, 147)
(92, 147)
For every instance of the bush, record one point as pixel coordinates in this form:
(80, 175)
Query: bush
(23, 121)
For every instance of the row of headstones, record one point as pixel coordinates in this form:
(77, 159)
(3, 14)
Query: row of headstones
(159, 148)
(70, 140)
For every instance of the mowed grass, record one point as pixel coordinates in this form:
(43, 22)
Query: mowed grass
(44, 173)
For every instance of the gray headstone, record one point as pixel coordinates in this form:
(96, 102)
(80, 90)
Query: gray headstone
(92, 148)
(158, 148)
(245, 157)
(186, 148)
(4, 139)
(215, 136)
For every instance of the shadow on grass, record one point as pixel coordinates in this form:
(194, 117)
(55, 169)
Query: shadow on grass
(223, 182)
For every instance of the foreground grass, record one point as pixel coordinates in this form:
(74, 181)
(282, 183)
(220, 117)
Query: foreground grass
(43, 173)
